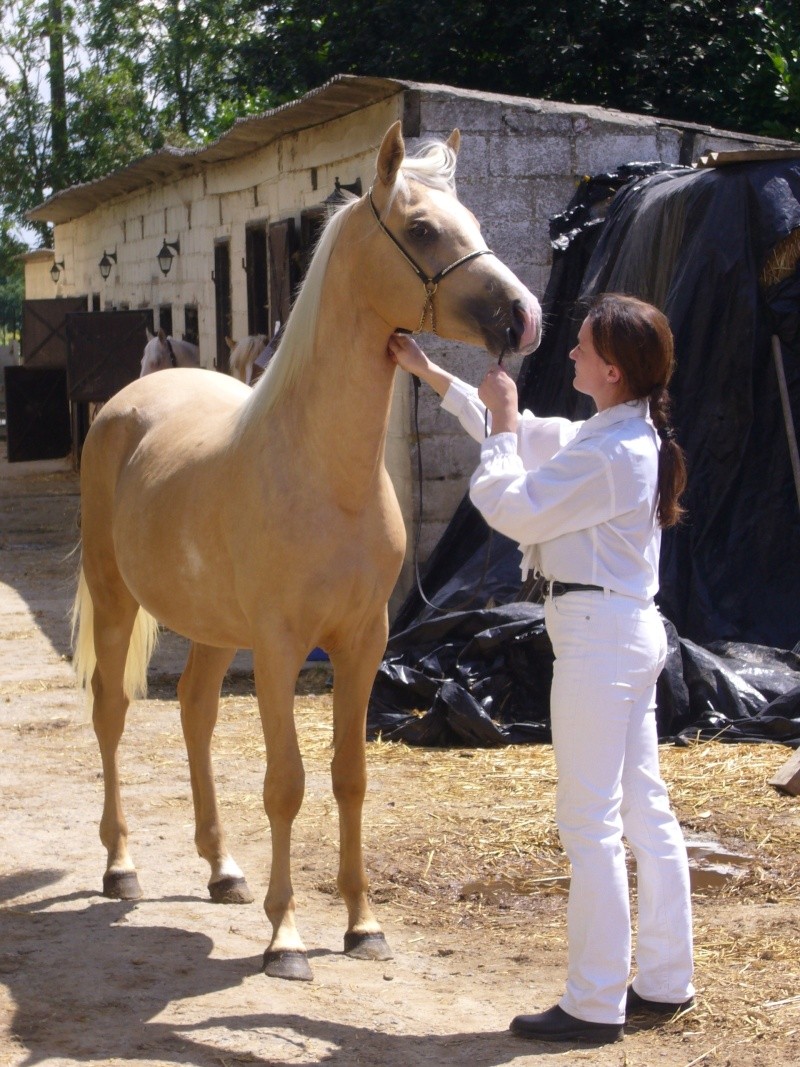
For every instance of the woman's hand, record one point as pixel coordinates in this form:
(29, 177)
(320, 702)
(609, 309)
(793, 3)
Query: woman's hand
(406, 353)
(499, 394)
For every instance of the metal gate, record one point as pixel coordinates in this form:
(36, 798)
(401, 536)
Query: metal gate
(44, 333)
(104, 352)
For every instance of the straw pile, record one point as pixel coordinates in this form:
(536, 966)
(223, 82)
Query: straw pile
(782, 261)
(465, 838)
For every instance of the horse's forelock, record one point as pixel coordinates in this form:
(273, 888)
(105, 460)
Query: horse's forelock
(433, 164)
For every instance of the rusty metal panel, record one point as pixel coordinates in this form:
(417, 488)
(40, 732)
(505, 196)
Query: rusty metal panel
(105, 352)
(44, 334)
(37, 413)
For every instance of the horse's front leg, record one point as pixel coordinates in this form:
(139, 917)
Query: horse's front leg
(277, 663)
(198, 692)
(354, 675)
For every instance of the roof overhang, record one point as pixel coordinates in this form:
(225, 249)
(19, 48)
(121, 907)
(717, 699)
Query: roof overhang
(341, 96)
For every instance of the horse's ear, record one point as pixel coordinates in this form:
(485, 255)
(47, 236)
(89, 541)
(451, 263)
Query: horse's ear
(161, 335)
(150, 336)
(230, 343)
(391, 155)
(454, 140)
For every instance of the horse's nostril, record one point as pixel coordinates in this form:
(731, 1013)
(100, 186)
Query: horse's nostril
(515, 331)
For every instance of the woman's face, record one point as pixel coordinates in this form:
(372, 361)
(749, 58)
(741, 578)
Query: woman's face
(593, 376)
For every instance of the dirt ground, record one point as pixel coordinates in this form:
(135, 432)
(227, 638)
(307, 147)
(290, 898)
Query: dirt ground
(467, 877)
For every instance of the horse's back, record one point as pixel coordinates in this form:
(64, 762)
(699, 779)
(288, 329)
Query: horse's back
(177, 404)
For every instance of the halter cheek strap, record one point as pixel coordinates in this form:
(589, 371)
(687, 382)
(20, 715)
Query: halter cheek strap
(431, 283)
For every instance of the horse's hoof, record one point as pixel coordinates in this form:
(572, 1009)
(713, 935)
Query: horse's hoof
(290, 963)
(122, 885)
(230, 891)
(367, 946)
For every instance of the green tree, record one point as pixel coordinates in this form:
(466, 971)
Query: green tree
(12, 282)
(704, 61)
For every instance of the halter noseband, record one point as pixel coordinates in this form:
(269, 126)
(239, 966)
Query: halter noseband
(431, 283)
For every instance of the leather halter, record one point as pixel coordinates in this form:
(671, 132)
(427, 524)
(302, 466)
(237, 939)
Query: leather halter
(172, 358)
(431, 283)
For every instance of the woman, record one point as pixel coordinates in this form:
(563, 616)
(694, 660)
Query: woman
(586, 502)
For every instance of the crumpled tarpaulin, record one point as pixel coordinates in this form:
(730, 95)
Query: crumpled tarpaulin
(482, 678)
(694, 243)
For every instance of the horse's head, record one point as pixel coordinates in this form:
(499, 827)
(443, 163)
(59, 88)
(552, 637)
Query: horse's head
(437, 271)
(156, 354)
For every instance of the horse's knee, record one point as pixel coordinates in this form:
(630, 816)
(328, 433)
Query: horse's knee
(349, 788)
(283, 795)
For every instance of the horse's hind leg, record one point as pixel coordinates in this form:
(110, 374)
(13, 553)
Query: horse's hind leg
(198, 692)
(114, 618)
(354, 675)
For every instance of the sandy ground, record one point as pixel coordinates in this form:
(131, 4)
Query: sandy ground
(174, 979)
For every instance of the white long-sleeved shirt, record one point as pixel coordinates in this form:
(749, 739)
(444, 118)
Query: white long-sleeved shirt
(578, 497)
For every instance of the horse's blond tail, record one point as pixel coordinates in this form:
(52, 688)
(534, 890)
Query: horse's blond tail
(140, 649)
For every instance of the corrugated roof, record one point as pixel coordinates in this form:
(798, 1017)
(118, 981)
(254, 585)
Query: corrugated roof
(340, 96)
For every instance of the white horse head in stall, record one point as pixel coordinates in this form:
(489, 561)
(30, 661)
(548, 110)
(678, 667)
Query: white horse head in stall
(162, 352)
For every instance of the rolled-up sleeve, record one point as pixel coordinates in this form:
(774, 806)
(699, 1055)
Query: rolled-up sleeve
(572, 491)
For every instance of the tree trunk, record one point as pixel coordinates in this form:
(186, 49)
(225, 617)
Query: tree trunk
(59, 171)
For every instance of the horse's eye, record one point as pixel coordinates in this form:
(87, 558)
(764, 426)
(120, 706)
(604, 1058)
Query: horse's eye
(421, 231)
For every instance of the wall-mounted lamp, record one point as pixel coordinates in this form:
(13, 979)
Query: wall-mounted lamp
(106, 263)
(336, 197)
(55, 271)
(166, 256)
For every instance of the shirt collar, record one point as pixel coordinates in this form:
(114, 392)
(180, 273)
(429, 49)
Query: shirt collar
(631, 409)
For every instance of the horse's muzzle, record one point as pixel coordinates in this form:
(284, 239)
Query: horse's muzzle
(525, 331)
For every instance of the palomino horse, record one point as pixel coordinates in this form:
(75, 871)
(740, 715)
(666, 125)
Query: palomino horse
(184, 474)
(162, 352)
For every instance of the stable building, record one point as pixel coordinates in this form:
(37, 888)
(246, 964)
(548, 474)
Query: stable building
(210, 243)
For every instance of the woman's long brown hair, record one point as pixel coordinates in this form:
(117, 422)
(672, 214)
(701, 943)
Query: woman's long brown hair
(637, 338)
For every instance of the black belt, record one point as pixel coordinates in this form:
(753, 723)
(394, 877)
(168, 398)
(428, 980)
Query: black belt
(559, 588)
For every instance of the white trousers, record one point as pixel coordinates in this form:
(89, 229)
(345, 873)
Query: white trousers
(609, 651)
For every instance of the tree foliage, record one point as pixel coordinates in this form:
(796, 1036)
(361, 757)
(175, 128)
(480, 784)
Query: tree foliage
(123, 78)
(705, 61)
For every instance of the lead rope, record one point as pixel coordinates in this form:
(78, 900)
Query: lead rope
(484, 573)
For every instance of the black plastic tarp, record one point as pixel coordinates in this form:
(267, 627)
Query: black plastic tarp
(694, 243)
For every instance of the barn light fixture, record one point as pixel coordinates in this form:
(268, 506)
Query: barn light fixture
(55, 271)
(106, 263)
(336, 196)
(166, 255)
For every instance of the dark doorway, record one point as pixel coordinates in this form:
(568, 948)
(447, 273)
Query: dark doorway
(222, 296)
(257, 283)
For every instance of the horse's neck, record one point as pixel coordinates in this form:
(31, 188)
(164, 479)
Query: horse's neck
(337, 414)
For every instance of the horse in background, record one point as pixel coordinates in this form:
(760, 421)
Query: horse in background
(181, 476)
(162, 352)
(243, 355)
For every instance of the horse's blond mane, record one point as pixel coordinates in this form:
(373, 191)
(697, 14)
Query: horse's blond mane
(434, 165)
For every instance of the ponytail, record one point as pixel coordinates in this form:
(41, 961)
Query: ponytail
(671, 462)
